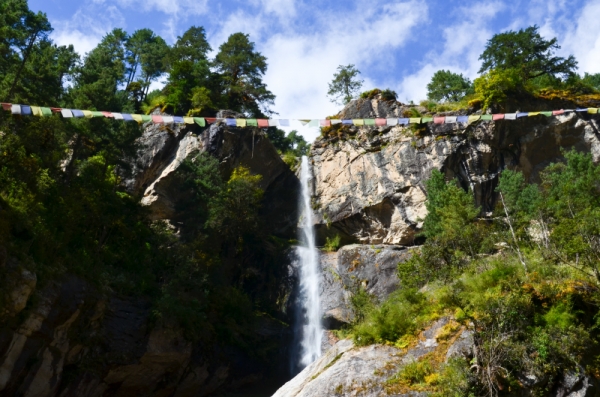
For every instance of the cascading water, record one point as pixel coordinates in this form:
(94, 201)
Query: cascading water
(311, 333)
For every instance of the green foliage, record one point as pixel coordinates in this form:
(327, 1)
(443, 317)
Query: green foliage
(495, 86)
(526, 53)
(414, 372)
(332, 244)
(345, 84)
(241, 71)
(386, 95)
(456, 380)
(291, 145)
(448, 86)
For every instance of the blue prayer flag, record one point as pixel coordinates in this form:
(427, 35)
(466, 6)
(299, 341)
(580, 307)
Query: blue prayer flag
(522, 114)
(284, 122)
(403, 121)
(77, 113)
(347, 122)
(577, 110)
(230, 122)
(462, 119)
(127, 117)
(26, 110)
(178, 119)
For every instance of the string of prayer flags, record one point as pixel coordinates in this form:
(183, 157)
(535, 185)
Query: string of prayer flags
(41, 111)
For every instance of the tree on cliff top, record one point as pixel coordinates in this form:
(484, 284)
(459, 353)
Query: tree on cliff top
(527, 52)
(448, 86)
(345, 84)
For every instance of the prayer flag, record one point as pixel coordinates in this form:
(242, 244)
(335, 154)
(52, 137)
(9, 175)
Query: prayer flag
(414, 120)
(346, 122)
(439, 120)
(450, 119)
(87, 114)
(106, 114)
(380, 122)
(510, 116)
(313, 123)
(531, 114)
(273, 122)
(336, 121)
(6, 106)
(157, 118)
(200, 121)
(168, 119)
(26, 110)
(15, 109)
(263, 123)
(402, 121)
(36, 111)
(97, 114)
(304, 121)
(426, 120)
(284, 122)
(251, 123)
(486, 117)
(230, 122)
(117, 116)
(178, 119)
(56, 110)
(498, 116)
(581, 110)
(188, 120)
(557, 112)
(369, 121)
(325, 123)
(46, 111)
(77, 113)
(358, 122)
(137, 117)
(240, 122)
(127, 117)
(66, 113)
(208, 119)
(593, 110)
(547, 114)
(473, 118)
(146, 118)
(462, 119)
(522, 114)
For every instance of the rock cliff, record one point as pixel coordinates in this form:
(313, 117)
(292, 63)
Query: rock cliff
(67, 338)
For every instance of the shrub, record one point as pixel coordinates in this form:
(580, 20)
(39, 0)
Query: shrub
(494, 86)
(332, 244)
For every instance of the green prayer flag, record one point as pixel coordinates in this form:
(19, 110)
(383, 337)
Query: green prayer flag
(486, 117)
(200, 121)
(146, 118)
(547, 114)
(426, 119)
(313, 123)
(369, 121)
(97, 114)
(251, 123)
(46, 112)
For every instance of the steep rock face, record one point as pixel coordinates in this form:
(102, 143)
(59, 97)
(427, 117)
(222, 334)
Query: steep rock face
(354, 267)
(369, 182)
(162, 148)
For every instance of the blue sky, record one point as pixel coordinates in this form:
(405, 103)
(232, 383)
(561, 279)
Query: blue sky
(395, 44)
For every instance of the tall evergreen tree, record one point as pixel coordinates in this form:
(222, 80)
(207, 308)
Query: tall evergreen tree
(345, 84)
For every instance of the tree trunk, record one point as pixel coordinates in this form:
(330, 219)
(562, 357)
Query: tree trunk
(25, 56)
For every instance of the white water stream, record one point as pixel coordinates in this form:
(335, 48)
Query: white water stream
(309, 274)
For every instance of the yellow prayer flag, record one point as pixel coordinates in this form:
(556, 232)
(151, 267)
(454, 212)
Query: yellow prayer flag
(36, 111)
(590, 110)
(473, 118)
(87, 114)
(240, 122)
(414, 120)
(137, 117)
(188, 120)
(531, 114)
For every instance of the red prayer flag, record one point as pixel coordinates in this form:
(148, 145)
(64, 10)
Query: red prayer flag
(325, 123)
(210, 119)
(7, 106)
(439, 120)
(263, 123)
(107, 114)
(157, 118)
(498, 116)
(56, 110)
(380, 122)
(557, 112)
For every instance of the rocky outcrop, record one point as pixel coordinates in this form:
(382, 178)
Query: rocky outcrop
(353, 268)
(369, 182)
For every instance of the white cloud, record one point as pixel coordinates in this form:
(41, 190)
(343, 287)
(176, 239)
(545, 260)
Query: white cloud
(583, 41)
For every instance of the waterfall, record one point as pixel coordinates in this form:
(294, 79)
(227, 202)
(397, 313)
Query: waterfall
(311, 333)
